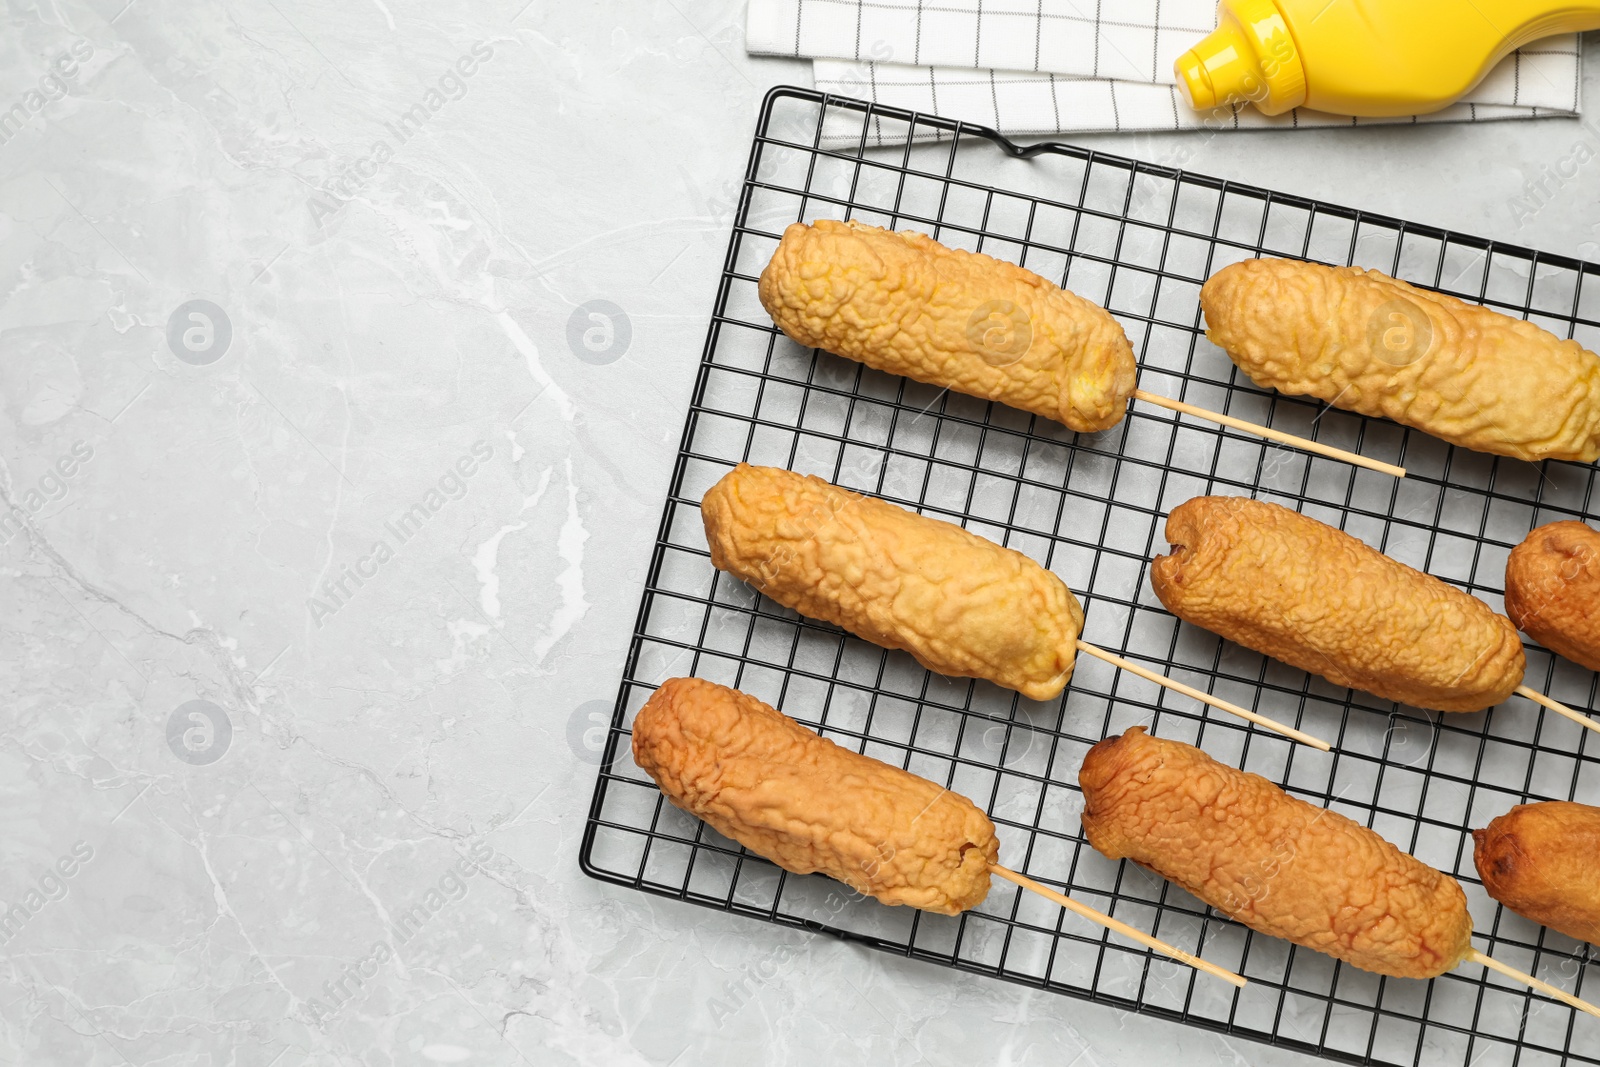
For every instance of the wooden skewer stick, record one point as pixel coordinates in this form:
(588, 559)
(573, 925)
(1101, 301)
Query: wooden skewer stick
(1269, 433)
(1474, 956)
(1558, 707)
(1117, 926)
(1205, 698)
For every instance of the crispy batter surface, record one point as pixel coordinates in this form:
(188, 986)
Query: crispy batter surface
(808, 805)
(1543, 862)
(1317, 598)
(960, 604)
(1553, 589)
(905, 304)
(1370, 343)
(1275, 863)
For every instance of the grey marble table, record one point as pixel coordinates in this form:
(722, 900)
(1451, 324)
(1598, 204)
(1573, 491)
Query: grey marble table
(325, 526)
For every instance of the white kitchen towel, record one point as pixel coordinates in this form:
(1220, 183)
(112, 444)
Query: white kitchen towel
(1054, 66)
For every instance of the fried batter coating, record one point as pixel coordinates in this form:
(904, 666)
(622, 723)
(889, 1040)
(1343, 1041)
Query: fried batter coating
(808, 805)
(1315, 597)
(1275, 863)
(960, 604)
(1553, 587)
(1543, 862)
(1366, 342)
(905, 304)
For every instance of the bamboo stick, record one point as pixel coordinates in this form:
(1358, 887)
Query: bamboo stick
(1205, 698)
(1269, 433)
(1117, 926)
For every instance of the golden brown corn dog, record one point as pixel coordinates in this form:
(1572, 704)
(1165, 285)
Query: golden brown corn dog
(905, 304)
(806, 804)
(1317, 598)
(960, 604)
(1366, 342)
(1543, 862)
(1553, 587)
(1275, 863)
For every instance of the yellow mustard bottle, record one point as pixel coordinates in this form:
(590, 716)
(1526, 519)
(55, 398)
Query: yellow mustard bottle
(1364, 57)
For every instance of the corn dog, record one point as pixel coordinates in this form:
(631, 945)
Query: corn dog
(1366, 342)
(1275, 863)
(806, 804)
(905, 304)
(959, 604)
(1552, 586)
(757, 776)
(1543, 862)
(1317, 598)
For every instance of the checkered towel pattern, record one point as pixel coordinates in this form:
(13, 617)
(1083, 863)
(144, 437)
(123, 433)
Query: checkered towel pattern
(1056, 66)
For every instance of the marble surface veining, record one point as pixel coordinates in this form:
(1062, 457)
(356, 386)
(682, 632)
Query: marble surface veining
(326, 519)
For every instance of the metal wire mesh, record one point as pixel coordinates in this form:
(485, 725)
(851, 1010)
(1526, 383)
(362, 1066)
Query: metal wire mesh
(1139, 239)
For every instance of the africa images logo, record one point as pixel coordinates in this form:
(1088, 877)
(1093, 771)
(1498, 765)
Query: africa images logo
(199, 732)
(340, 589)
(449, 86)
(52, 86)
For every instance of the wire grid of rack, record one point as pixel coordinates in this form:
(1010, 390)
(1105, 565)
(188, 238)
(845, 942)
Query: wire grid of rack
(1139, 239)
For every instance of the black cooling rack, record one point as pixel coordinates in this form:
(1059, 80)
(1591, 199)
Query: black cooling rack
(1139, 239)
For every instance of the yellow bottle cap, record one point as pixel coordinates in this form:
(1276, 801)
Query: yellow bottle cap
(1249, 58)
